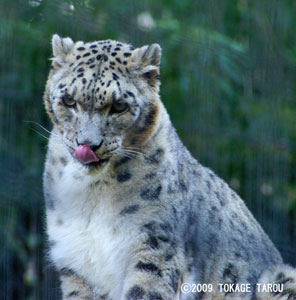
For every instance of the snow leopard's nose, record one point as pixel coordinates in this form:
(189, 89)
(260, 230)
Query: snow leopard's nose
(94, 146)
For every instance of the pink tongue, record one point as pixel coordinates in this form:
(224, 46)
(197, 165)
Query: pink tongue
(85, 154)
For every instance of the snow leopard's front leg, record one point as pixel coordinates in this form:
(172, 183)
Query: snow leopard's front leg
(154, 273)
(74, 287)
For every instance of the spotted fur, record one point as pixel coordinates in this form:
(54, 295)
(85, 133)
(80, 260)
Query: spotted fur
(147, 217)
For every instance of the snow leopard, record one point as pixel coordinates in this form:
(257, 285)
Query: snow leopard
(130, 214)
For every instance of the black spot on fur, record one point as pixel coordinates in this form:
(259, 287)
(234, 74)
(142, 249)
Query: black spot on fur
(158, 232)
(63, 160)
(220, 222)
(174, 278)
(125, 176)
(155, 157)
(61, 86)
(171, 189)
(221, 201)
(122, 161)
(230, 273)
(104, 297)
(80, 70)
(114, 54)
(67, 272)
(130, 209)
(280, 276)
(130, 94)
(149, 75)
(168, 257)
(114, 76)
(212, 242)
(209, 185)
(89, 87)
(73, 80)
(52, 160)
(127, 54)
(152, 242)
(51, 243)
(90, 61)
(80, 48)
(118, 60)
(150, 176)
(183, 186)
(166, 227)
(154, 227)
(49, 201)
(151, 226)
(148, 267)
(86, 54)
(135, 293)
(154, 296)
(94, 51)
(73, 294)
(151, 194)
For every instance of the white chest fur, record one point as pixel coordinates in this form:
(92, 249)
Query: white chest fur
(87, 235)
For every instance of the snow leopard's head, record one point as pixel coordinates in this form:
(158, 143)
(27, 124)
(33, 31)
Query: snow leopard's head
(102, 97)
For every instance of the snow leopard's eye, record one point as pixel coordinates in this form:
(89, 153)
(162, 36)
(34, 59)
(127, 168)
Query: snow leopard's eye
(68, 101)
(119, 107)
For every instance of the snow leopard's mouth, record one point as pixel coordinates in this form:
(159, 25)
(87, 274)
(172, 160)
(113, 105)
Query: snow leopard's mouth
(86, 156)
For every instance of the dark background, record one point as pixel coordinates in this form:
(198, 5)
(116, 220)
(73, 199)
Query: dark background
(228, 82)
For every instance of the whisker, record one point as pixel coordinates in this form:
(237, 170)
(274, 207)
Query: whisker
(133, 152)
(36, 123)
(125, 152)
(59, 141)
(128, 152)
(122, 155)
(132, 148)
(40, 133)
(46, 130)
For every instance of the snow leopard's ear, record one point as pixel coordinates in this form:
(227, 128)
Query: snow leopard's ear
(61, 47)
(146, 61)
(148, 55)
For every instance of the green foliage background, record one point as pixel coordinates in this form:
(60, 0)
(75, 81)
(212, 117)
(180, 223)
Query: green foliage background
(228, 82)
